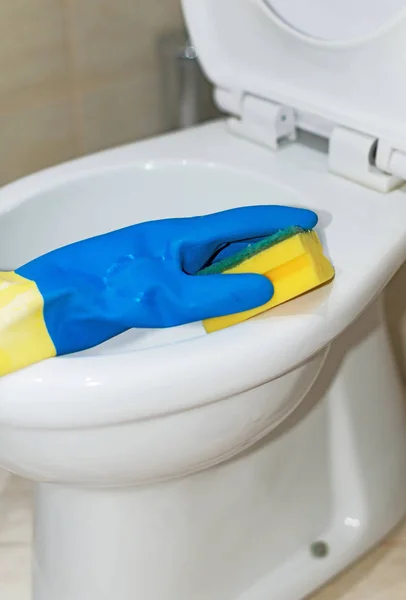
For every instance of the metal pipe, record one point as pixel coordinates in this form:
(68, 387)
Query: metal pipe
(186, 93)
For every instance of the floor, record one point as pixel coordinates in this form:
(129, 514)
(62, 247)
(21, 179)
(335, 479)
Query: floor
(381, 575)
(15, 538)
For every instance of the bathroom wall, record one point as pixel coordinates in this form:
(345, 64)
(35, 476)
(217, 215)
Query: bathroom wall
(77, 76)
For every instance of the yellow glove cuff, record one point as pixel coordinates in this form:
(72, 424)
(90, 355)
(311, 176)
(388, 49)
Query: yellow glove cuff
(24, 338)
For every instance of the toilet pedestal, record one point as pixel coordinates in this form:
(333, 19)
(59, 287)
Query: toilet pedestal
(277, 521)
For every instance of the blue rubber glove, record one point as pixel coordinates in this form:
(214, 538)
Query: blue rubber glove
(142, 276)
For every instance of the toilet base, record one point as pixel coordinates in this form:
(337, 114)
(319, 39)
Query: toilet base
(277, 521)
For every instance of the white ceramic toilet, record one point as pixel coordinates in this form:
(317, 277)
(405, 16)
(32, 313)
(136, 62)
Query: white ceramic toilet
(257, 462)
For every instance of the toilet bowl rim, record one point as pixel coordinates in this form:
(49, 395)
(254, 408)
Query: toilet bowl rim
(87, 381)
(90, 389)
(93, 395)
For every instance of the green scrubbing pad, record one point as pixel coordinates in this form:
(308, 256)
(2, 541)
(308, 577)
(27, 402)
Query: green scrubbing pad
(249, 251)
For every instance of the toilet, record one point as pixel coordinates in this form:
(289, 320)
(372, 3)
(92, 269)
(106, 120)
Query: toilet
(257, 462)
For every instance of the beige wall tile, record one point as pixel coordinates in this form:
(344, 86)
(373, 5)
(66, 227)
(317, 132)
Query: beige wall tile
(121, 111)
(33, 58)
(35, 138)
(112, 38)
(82, 69)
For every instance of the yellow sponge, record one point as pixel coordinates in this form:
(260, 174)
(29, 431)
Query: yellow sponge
(295, 265)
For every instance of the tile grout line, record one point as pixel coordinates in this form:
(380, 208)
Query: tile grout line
(68, 8)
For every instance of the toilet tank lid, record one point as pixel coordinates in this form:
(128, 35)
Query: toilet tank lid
(342, 61)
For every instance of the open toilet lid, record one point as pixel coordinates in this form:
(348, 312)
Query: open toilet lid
(335, 62)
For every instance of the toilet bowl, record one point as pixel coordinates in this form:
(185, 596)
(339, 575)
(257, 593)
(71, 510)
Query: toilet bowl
(259, 461)
(174, 464)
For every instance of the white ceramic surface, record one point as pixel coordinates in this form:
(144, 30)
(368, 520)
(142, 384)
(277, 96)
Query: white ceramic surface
(380, 575)
(178, 453)
(334, 472)
(323, 59)
(208, 170)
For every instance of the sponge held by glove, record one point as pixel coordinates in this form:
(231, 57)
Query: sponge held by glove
(292, 259)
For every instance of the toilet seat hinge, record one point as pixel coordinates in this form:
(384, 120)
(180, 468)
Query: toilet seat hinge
(257, 119)
(391, 159)
(366, 160)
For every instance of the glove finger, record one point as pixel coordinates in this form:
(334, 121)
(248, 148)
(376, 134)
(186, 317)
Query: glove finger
(235, 225)
(219, 295)
(251, 222)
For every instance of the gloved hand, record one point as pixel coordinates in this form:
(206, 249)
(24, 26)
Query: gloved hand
(142, 276)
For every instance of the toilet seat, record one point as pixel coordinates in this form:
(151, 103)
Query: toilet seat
(251, 353)
(297, 55)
